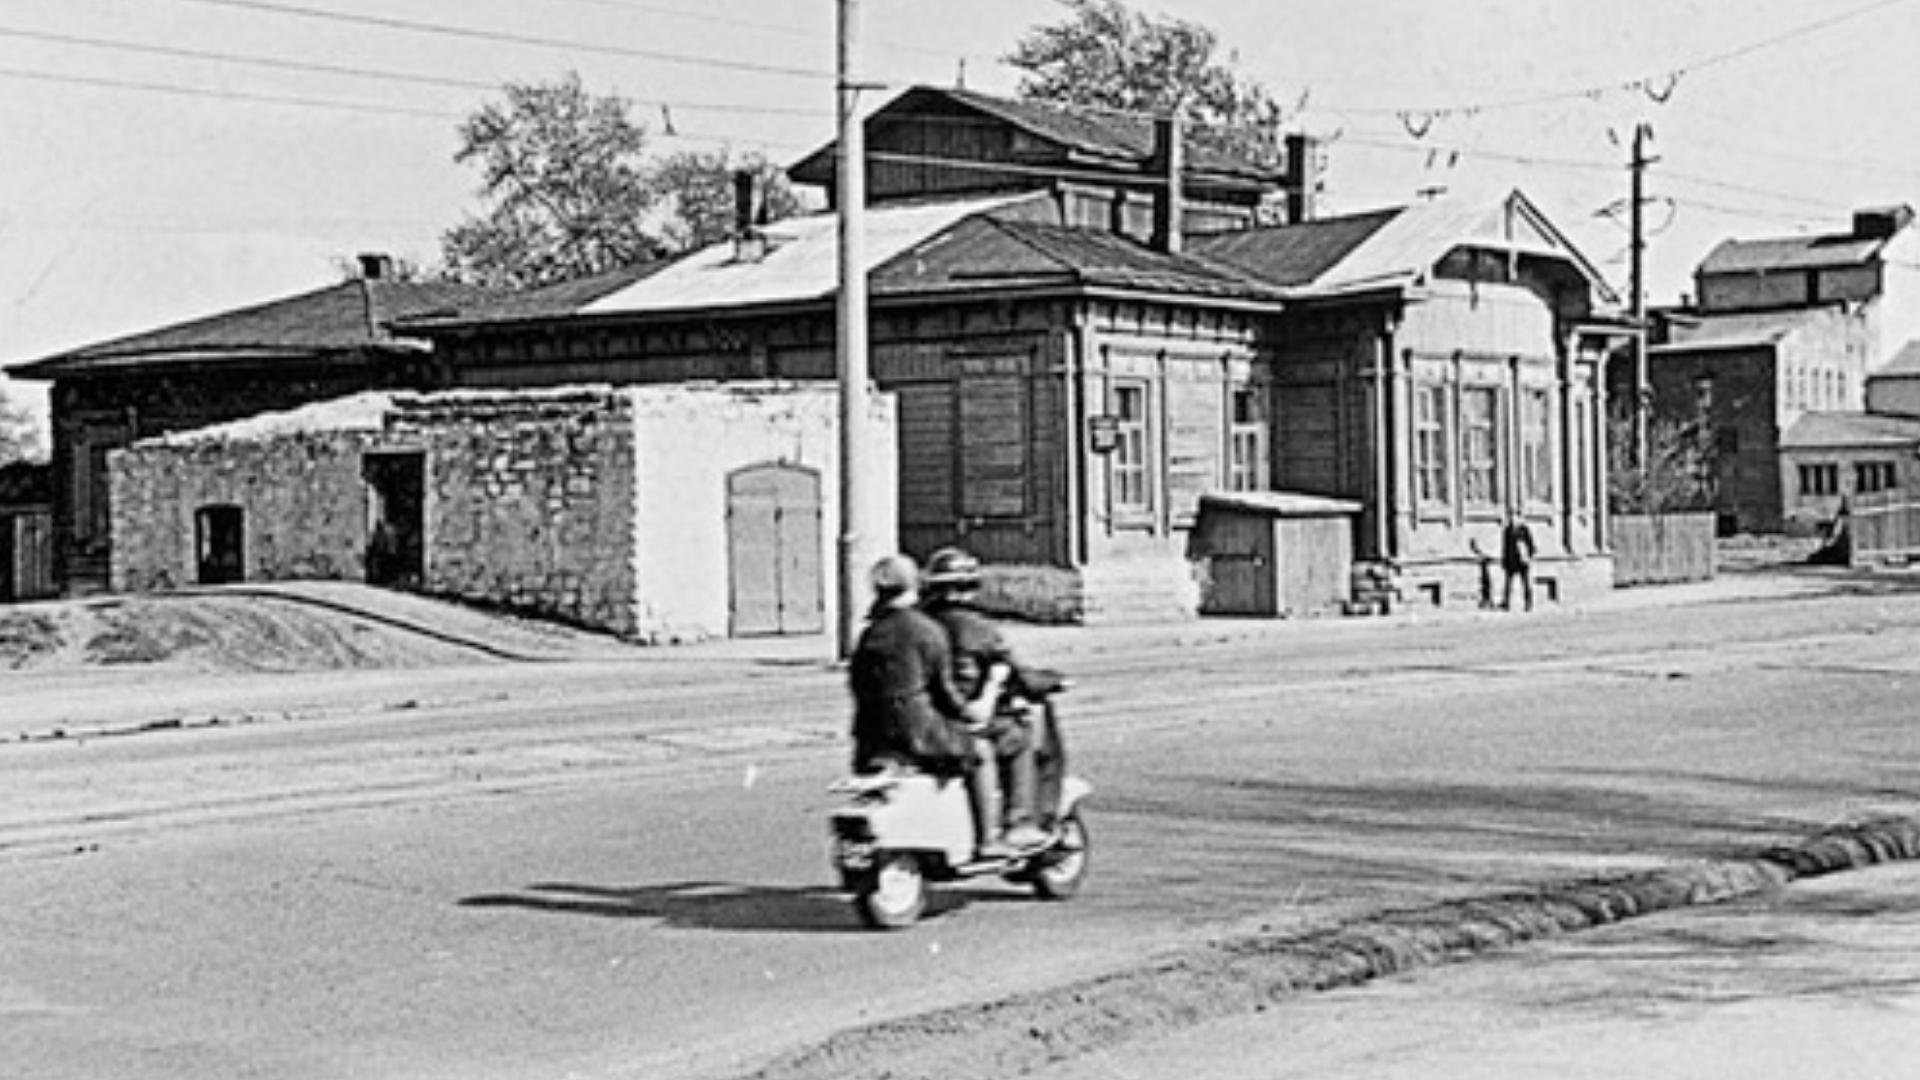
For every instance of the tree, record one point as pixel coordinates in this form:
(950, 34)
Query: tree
(697, 188)
(1679, 473)
(570, 190)
(563, 177)
(19, 431)
(1106, 56)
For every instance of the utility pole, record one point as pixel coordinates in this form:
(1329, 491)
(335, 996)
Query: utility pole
(1637, 301)
(851, 340)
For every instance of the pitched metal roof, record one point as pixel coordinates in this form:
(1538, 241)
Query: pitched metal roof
(1293, 255)
(1904, 362)
(348, 317)
(1840, 430)
(1122, 139)
(985, 251)
(1737, 330)
(1394, 248)
(800, 262)
(1791, 253)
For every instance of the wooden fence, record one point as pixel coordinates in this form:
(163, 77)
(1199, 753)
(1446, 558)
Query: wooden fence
(1883, 527)
(26, 554)
(1662, 549)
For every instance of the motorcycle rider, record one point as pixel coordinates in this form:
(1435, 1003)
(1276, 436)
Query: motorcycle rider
(907, 709)
(983, 667)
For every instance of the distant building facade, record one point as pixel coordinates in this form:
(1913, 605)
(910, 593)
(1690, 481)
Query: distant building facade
(1783, 328)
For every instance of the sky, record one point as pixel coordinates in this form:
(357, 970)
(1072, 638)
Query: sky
(162, 160)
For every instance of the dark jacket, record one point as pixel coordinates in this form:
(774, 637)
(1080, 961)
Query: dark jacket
(905, 705)
(1516, 547)
(976, 642)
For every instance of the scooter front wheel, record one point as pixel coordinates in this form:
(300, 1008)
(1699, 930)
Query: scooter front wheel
(893, 893)
(1059, 871)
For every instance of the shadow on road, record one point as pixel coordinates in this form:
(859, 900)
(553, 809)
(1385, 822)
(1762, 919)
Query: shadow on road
(706, 905)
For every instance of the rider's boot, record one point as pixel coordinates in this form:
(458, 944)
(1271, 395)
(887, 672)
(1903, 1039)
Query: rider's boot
(983, 791)
(1023, 830)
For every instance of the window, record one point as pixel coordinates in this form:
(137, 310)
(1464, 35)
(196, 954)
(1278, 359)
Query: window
(1479, 446)
(1536, 449)
(1819, 479)
(1872, 476)
(1246, 440)
(1129, 460)
(1430, 441)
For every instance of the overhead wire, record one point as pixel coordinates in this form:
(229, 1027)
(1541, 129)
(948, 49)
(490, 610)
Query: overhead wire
(500, 37)
(1659, 86)
(278, 64)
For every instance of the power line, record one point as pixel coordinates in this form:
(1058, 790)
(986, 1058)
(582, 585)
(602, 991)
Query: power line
(225, 95)
(1659, 86)
(503, 38)
(773, 28)
(357, 72)
(177, 90)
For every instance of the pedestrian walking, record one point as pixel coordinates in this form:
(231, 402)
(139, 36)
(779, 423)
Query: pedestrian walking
(1516, 559)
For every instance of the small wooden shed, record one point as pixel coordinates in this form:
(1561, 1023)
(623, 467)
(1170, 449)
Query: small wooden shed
(1274, 553)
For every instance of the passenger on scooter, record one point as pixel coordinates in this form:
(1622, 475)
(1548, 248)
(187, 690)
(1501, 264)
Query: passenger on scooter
(907, 711)
(983, 666)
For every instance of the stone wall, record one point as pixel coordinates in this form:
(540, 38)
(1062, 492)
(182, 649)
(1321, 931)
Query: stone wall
(529, 500)
(303, 503)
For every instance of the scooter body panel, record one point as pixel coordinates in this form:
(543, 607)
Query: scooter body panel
(926, 815)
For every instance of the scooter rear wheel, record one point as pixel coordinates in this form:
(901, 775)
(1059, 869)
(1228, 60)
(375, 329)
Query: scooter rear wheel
(892, 894)
(1059, 871)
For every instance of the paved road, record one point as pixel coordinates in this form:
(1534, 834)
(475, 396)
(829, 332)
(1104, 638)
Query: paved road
(607, 869)
(1818, 980)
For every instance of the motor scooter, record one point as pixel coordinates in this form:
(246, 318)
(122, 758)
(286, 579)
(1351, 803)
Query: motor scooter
(900, 831)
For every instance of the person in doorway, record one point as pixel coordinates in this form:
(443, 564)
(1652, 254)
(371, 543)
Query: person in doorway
(984, 670)
(1516, 560)
(907, 711)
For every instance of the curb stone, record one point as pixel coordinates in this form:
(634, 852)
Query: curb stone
(1030, 1031)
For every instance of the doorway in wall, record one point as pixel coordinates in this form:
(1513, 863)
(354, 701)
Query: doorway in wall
(396, 519)
(773, 551)
(219, 535)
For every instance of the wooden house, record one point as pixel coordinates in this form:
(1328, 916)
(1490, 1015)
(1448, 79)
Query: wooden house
(1088, 323)
(1442, 364)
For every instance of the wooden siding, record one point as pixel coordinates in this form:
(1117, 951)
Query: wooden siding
(926, 446)
(1663, 548)
(1884, 529)
(1308, 439)
(997, 442)
(1196, 438)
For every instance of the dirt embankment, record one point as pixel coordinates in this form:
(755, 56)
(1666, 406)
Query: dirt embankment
(240, 632)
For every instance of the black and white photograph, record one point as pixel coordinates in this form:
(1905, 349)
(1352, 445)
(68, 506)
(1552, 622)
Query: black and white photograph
(937, 540)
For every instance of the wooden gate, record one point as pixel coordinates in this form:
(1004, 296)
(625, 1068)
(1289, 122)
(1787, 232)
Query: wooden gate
(774, 551)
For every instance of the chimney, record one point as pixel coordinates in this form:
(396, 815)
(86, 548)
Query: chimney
(742, 202)
(1170, 204)
(1302, 181)
(748, 245)
(1880, 222)
(375, 266)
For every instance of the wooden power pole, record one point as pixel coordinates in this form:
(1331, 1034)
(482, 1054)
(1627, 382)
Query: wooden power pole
(851, 340)
(1637, 300)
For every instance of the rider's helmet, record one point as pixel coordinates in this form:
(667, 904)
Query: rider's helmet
(894, 576)
(953, 569)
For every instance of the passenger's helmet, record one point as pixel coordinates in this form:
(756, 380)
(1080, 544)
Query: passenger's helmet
(894, 575)
(952, 568)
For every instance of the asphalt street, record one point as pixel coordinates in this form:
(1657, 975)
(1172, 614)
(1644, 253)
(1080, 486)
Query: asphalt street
(614, 866)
